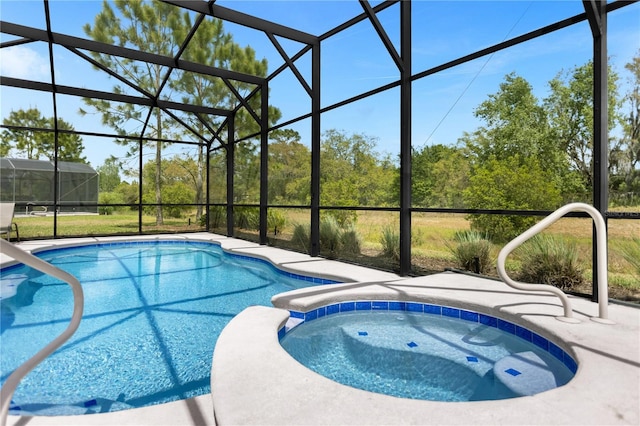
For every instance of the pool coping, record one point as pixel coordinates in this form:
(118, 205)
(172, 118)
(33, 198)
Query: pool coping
(257, 382)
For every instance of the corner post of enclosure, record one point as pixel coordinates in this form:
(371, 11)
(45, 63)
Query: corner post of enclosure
(596, 11)
(264, 160)
(405, 139)
(314, 249)
(140, 188)
(207, 195)
(231, 144)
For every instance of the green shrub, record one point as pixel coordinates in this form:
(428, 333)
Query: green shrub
(499, 228)
(511, 183)
(333, 239)
(472, 251)
(344, 218)
(109, 198)
(275, 221)
(177, 193)
(350, 240)
(549, 260)
(302, 236)
(417, 236)
(247, 217)
(218, 217)
(330, 235)
(390, 240)
(631, 253)
(128, 192)
(203, 220)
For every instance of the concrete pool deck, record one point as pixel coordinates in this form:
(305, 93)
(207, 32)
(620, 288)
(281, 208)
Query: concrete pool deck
(257, 382)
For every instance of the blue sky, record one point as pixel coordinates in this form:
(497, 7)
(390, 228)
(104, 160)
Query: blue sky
(353, 61)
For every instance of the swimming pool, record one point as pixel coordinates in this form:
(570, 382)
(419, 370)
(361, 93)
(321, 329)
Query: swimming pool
(153, 312)
(426, 351)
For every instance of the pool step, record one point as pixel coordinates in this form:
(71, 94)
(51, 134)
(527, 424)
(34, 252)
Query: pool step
(411, 363)
(519, 374)
(401, 345)
(9, 285)
(524, 373)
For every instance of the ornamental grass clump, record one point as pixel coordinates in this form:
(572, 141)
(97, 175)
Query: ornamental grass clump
(550, 260)
(471, 250)
(330, 235)
(631, 253)
(350, 240)
(302, 236)
(390, 240)
(275, 221)
(334, 240)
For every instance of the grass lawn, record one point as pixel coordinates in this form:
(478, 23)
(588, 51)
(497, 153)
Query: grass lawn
(80, 225)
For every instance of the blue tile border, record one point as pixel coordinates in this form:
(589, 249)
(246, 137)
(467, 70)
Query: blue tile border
(450, 312)
(488, 320)
(469, 316)
(446, 311)
(433, 309)
(380, 306)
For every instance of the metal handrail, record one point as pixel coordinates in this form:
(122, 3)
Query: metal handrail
(601, 245)
(9, 387)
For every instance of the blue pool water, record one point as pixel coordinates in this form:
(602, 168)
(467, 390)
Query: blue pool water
(153, 312)
(427, 356)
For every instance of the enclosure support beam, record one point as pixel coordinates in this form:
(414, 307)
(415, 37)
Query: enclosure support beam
(56, 143)
(596, 11)
(207, 186)
(231, 147)
(314, 249)
(71, 42)
(264, 160)
(405, 139)
(140, 169)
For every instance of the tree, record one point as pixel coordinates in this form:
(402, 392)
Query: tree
(159, 28)
(211, 46)
(247, 172)
(218, 176)
(109, 174)
(570, 110)
(515, 162)
(176, 185)
(128, 193)
(510, 184)
(515, 125)
(439, 174)
(353, 173)
(451, 178)
(626, 157)
(147, 26)
(36, 144)
(289, 168)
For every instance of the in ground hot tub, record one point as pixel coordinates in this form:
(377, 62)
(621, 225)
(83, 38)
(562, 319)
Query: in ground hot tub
(425, 351)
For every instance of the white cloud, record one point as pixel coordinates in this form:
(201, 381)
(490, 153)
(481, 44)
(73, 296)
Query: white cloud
(22, 62)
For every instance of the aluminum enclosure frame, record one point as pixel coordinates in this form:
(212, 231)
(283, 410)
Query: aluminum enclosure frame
(595, 14)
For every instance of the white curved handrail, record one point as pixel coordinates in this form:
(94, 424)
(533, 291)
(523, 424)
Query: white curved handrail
(9, 387)
(601, 242)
